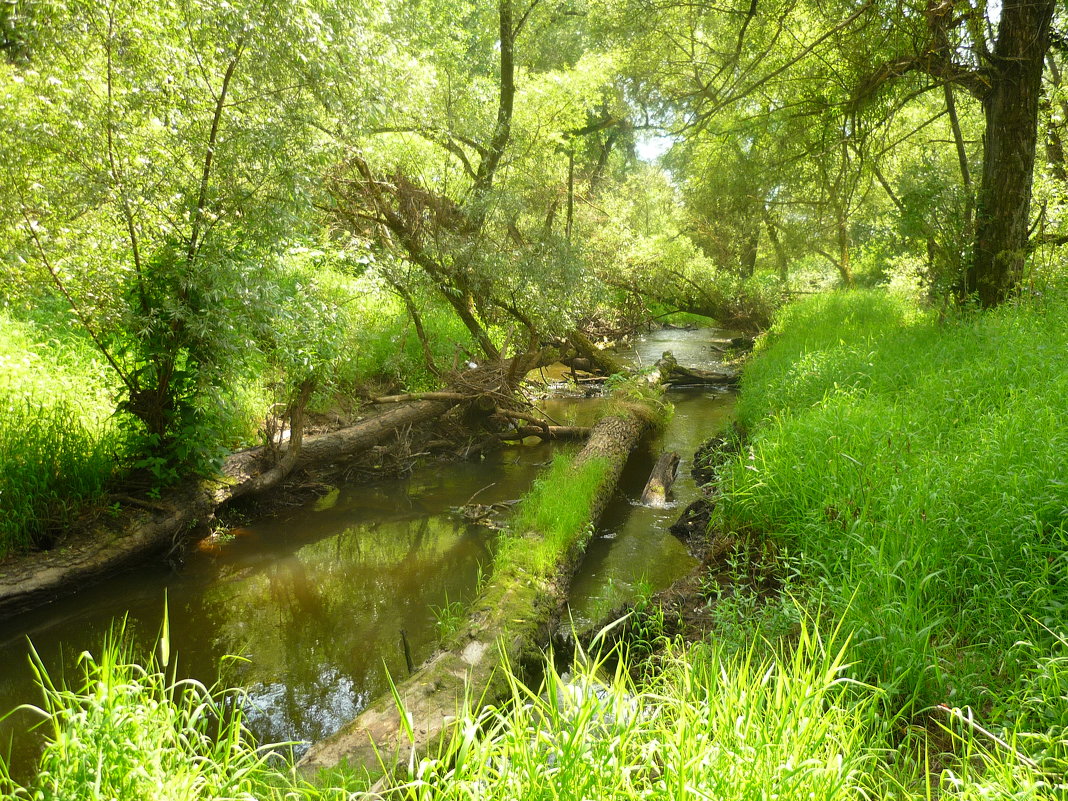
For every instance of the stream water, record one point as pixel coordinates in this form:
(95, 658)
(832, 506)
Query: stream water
(316, 599)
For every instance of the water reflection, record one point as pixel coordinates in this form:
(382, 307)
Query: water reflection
(314, 602)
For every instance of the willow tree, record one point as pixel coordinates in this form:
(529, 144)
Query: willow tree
(951, 43)
(470, 177)
(152, 162)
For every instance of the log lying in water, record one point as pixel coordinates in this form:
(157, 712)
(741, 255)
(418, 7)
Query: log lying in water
(671, 372)
(597, 359)
(547, 432)
(38, 578)
(665, 471)
(509, 620)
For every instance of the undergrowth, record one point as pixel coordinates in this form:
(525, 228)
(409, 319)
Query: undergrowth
(57, 446)
(783, 722)
(917, 467)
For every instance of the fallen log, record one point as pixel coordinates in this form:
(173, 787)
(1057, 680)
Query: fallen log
(665, 471)
(602, 360)
(37, 578)
(456, 397)
(508, 622)
(547, 432)
(671, 372)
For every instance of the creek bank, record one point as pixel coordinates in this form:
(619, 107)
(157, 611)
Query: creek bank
(508, 622)
(151, 529)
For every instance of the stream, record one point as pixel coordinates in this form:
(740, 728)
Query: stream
(315, 600)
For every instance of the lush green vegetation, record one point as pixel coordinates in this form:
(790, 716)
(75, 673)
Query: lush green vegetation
(914, 467)
(708, 720)
(221, 204)
(215, 213)
(57, 447)
(551, 517)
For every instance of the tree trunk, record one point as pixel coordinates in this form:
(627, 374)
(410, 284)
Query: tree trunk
(781, 260)
(1011, 109)
(843, 263)
(39, 578)
(750, 250)
(665, 471)
(600, 359)
(1054, 141)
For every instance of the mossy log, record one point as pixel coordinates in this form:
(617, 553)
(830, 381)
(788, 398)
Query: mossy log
(598, 359)
(546, 433)
(36, 578)
(509, 622)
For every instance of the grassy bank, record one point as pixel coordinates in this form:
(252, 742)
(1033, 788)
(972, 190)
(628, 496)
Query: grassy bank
(909, 475)
(58, 448)
(64, 438)
(914, 470)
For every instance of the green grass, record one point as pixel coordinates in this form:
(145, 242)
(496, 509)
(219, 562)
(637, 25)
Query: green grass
(783, 721)
(130, 730)
(919, 469)
(57, 446)
(552, 517)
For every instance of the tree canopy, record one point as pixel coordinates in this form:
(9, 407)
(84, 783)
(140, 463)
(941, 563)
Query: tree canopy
(205, 184)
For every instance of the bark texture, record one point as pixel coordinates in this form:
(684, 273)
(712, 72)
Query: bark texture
(661, 479)
(1011, 109)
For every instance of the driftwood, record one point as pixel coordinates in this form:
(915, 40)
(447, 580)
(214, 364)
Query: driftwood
(692, 524)
(671, 372)
(665, 471)
(547, 432)
(598, 360)
(455, 397)
(509, 620)
(37, 578)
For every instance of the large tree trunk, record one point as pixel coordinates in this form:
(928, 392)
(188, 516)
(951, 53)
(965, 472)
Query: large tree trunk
(750, 250)
(1011, 108)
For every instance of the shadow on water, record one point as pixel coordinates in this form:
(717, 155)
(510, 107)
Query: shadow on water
(316, 599)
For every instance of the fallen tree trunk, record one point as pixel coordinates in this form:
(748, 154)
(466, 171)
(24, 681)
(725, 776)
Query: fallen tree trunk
(671, 372)
(508, 622)
(34, 579)
(547, 432)
(601, 360)
(665, 471)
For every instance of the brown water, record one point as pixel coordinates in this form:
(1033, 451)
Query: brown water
(316, 599)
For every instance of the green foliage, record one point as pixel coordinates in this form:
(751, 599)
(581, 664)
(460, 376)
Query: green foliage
(917, 467)
(630, 395)
(710, 725)
(711, 721)
(448, 618)
(57, 447)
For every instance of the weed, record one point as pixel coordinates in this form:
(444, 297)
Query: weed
(448, 618)
(557, 512)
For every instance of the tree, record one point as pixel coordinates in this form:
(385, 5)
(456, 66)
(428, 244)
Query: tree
(152, 157)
